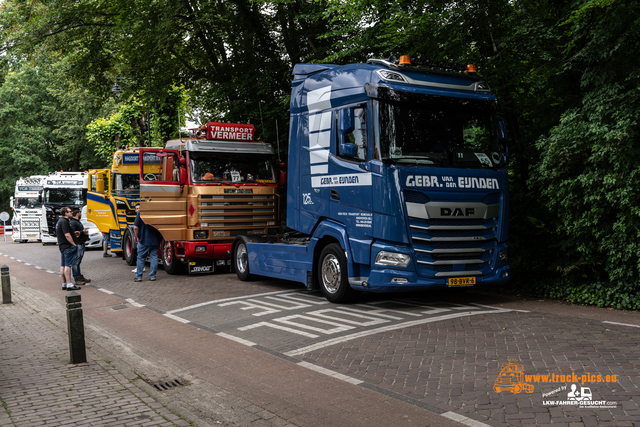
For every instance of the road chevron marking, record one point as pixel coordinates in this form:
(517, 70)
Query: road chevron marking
(202, 304)
(409, 324)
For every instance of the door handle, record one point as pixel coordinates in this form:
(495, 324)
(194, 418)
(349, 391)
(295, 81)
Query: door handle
(335, 195)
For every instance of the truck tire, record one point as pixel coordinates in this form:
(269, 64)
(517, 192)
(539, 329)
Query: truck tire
(240, 260)
(171, 264)
(129, 250)
(333, 276)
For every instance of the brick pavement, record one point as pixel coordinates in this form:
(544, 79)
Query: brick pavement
(450, 364)
(453, 365)
(228, 384)
(38, 385)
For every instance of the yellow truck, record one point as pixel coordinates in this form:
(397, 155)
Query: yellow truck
(111, 200)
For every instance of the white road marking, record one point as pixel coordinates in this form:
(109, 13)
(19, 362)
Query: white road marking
(393, 327)
(202, 304)
(330, 373)
(236, 339)
(621, 324)
(179, 319)
(463, 420)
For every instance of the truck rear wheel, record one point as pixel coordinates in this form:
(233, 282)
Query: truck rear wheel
(333, 275)
(170, 263)
(240, 260)
(129, 250)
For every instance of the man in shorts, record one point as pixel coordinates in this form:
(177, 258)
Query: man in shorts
(67, 246)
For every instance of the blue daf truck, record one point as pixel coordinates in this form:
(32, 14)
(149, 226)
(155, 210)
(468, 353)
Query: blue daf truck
(397, 181)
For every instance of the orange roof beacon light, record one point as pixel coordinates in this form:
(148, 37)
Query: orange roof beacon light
(471, 68)
(405, 60)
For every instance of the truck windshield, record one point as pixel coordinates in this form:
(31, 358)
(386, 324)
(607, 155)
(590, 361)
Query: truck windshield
(437, 131)
(61, 196)
(27, 202)
(231, 168)
(126, 183)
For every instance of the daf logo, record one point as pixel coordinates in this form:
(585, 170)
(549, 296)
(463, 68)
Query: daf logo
(457, 211)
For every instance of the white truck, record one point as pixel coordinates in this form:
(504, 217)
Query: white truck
(61, 189)
(27, 209)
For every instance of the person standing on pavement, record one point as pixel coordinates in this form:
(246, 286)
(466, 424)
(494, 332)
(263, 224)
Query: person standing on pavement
(67, 247)
(81, 237)
(148, 239)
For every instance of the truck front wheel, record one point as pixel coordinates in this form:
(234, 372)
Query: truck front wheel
(169, 261)
(240, 260)
(333, 276)
(129, 248)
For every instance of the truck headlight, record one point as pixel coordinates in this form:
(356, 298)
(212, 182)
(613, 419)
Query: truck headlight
(392, 258)
(200, 234)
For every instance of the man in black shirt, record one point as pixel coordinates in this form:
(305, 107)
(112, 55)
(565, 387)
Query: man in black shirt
(67, 247)
(81, 237)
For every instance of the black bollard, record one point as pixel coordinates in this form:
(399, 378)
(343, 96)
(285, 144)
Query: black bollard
(6, 285)
(75, 325)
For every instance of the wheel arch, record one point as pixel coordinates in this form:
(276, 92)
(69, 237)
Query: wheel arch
(329, 232)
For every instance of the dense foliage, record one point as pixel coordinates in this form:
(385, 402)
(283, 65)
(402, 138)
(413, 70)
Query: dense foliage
(565, 72)
(43, 119)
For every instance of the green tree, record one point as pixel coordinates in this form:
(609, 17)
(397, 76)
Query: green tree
(235, 57)
(588, 169)
(42, 123)
(129, 126)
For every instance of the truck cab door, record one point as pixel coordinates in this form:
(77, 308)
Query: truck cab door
(162, 197)
(312, 193)
(351, 191)
(100, 209)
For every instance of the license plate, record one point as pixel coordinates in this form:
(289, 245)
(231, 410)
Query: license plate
(462, 281)
(201, 267)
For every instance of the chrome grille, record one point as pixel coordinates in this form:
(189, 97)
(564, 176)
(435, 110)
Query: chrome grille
(30, 224)
(450, 247)
(238, 213)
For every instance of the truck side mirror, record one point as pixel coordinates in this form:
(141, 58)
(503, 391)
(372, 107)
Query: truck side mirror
(11, 202)
(183, 175)
(99, 183)
(40, 196)
(345, 127)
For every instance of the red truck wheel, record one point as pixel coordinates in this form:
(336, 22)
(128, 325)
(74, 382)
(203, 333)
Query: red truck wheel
(169, 261)
(129, 250)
